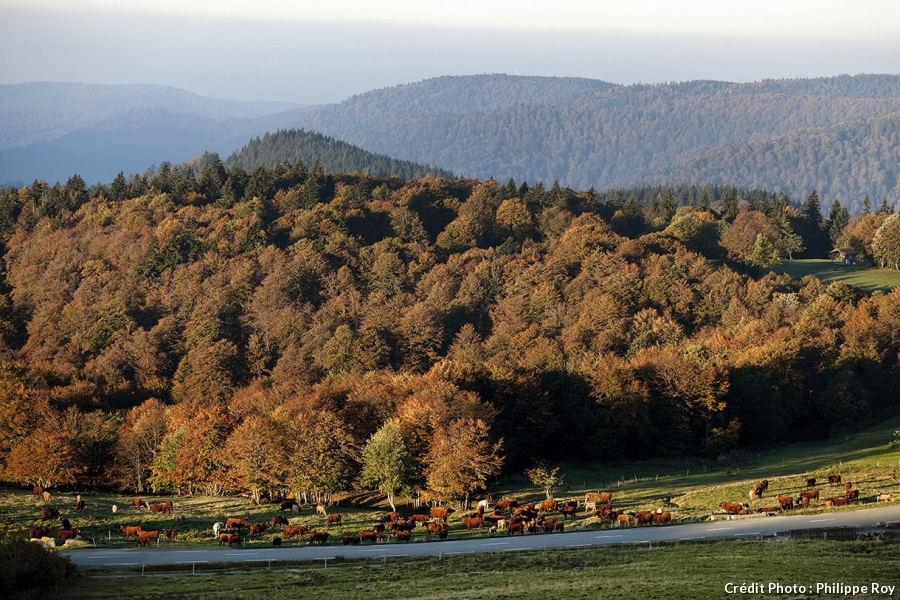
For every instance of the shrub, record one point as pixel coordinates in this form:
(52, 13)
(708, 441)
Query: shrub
(28, 570)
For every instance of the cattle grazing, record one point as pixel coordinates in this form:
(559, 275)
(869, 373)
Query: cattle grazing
(137, 503)
(661, 518)
(515, 528)
(79, 505)
(786, 502)
(767, 509)
(731, 507)
(548, 525)
(256, 528)
(217, 527)
(834, 480)
(146, 537)
(47, 496)
(623, 520)
(590, 506)
(835, 502)
(753, 495)
(38, 532)
(67, 534)
(642, 517)
(403, 536)
(591, 496)
(115, 509)
(483, 504)
(289, 505)
(506, 505)
(440, 513)
(848, 485)
(50, 513)
(291, 530)
(235, 523)
(885, 498)
(349, 539)
(295, 509)
(602, 497)
(568, 511)
(813, 495)
(64, 524)
(320, 509)
(811, 482)
(38, 491)
(229, 538)
(130, 530)
(852, 495)
(368, 536)
(279, 520)
(318, 537)
(378, 528)
(764, 485)
(165, 509)
(395, 516)
(804, 502)
(334, 519)
(171, 534)
(422, 519)
(502, 524)
(471, 522)
(276, 541)
(170, 508)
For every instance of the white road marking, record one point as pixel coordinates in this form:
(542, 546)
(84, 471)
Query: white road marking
(746, 533)
(719, 528)
(118, 564)
(497, 544)
(600, 537)
(820, 520)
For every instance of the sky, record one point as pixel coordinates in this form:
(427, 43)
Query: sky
(317, 52)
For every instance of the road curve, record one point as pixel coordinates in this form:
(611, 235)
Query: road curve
(721, 528)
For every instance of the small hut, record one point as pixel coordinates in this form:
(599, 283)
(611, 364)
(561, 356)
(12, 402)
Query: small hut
(845, 256)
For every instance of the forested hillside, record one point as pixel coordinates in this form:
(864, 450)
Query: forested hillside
(187, 334)
(333, 155)
(627, 135)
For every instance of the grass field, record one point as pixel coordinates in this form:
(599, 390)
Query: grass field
(694, 489)
(865, 278)
(668, 571)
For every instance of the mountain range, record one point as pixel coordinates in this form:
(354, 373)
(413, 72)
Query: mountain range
(838, 135)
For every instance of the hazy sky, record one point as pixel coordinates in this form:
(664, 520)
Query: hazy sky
(312, 52)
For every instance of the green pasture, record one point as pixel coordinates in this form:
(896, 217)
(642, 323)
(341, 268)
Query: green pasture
(869, 279)
(694, 489)
(676, 571)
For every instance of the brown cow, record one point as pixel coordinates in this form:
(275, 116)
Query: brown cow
(50, 513)
(235, 523)
(350, 539)
(506, 505)
(731, 507)
(279, 520)
(368, 536)
(662, 518)
(422, 519)
(47, 496)
(852, 495)
(515, 528)
(67, 534)
(291, 530)
(471, 522)
(624, 520)
(38, 491)
(834, 480)
(548, 505)
(229, 538)
(568, 511)
(318, 537)
(786, 502)
(334, 519)
(171, 534)
(130, 530)
(767, 509)
(256, 528)
(440, 513)
(38, 532)
(165, 509)
(145, 537)
(835, 502)
(811, 482)
(289, 505)
(642, 517)
(79, 505)
(848, 485)
(403, 536)
(137, 503)
(813, 495)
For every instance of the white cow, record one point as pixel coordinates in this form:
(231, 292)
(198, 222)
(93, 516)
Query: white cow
(217, 527)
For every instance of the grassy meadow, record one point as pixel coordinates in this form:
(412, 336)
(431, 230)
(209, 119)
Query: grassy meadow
(681, 570)
(869, 279)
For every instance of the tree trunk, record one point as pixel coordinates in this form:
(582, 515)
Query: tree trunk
(390, 499)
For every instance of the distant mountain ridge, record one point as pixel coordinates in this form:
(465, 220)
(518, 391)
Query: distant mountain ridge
(831, 134)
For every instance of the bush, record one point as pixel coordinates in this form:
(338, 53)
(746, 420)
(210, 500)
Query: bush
(895, 443)
(28, 570)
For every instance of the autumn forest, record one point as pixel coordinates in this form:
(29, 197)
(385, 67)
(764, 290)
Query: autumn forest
(284, 330)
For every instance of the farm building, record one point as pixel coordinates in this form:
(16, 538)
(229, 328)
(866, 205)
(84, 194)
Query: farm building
(846, 256)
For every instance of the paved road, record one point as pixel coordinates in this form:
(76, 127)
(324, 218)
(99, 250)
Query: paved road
(744, 527)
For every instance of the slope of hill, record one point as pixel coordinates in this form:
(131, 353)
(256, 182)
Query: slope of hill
(333, 155)
(621, 135)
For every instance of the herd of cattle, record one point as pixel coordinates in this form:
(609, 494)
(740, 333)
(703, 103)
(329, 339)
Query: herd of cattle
(801, 500)
(506, 517)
